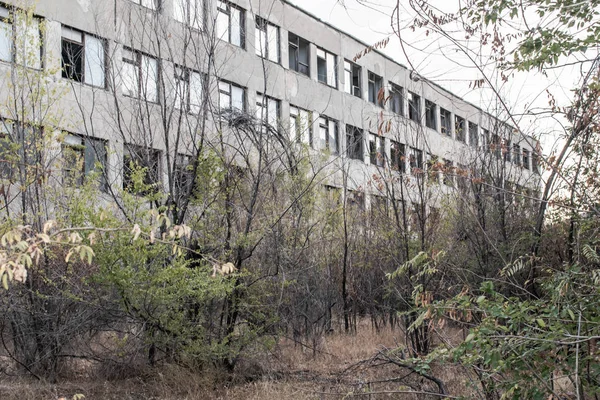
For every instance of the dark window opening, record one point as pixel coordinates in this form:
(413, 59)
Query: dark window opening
(398, 156)
(459, 127)
(354, 142)
(376, 95)
(396, 99)
(446, 122)
(299, 54)
(430, 115)
(414, 107)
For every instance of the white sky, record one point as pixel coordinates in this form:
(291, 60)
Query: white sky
(438, 61)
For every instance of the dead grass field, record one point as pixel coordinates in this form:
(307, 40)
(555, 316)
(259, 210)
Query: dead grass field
(340, 368)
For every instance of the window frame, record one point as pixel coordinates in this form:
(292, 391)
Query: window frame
(430, 115)
(327, 56)
(446, 122)
(139, 67)
(84, 57)
(262, 25)
(354, 147)
(186, 75)
(325, 125)
(415, 159)
(448, 173)
(473, 134)
(230, 86)
(9, 15)
(264, 106)
(414, 107)
(396, 96)
(376, 150)
(459, 129)
(516, 149)
(398, 158)
(433, 169)
(507, 150)
(350, 69)
(299, 43)
(227, 11)
(375, 84)
(85, 142)
(302, 134)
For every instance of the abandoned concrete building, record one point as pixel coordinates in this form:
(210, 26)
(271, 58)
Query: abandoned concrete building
(124, 62)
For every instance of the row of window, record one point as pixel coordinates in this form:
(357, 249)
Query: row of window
(82, 155)
(230, 27)
(84, 60)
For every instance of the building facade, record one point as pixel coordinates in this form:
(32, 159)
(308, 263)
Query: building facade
(141, 78)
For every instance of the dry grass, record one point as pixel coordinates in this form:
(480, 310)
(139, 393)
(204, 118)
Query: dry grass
(337, 369)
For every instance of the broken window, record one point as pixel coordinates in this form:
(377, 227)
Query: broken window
(299, 50)
(326, 67)
(462, 177)
(83, 57)
(81, 155)
(352, 79)
(496, 146)
(354, 142)
(141, 162)
(267, 40)
(230, 23)
(379, 209)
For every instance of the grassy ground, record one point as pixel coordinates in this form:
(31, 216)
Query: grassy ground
(342, 367)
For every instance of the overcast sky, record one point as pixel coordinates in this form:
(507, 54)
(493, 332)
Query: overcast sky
(439, 61)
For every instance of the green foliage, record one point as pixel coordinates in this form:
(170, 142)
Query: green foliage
(561, 28)
(520, 346)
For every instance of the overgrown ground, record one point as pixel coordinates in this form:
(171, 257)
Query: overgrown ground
(342, 367)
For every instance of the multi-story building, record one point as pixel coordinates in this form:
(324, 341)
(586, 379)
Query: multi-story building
(145, 74)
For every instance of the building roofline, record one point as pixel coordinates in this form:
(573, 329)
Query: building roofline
(287, 2)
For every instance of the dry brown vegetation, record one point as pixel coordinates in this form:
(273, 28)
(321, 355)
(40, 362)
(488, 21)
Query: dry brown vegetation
(342, 366)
